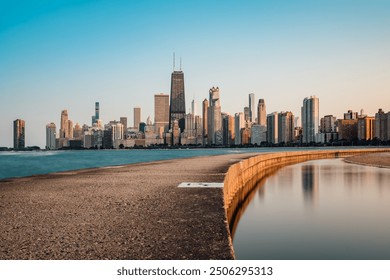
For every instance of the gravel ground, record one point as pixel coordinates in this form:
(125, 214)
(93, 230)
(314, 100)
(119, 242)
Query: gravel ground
(130, 212)
(374, 159)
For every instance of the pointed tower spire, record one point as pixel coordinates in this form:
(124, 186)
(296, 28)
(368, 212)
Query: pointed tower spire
(174, 61)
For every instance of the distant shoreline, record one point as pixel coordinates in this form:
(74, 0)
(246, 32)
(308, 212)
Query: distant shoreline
(376, 159)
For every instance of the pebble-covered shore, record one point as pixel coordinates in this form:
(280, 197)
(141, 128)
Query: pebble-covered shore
(130, 212)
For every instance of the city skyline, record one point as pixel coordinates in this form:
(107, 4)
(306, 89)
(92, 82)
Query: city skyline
(66, 56)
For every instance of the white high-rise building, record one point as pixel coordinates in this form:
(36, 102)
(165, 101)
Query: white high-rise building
(117, 131)
(51, 136)
(214, 118)
(193, 107)
(310, 119)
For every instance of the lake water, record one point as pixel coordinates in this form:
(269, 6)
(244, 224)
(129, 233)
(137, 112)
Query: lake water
(324, 209)
(19, 164)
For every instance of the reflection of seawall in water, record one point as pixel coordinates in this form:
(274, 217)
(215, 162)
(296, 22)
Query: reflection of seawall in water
(242, 178)
(251, 188)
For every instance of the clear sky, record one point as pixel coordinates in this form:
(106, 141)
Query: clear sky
(57, 55)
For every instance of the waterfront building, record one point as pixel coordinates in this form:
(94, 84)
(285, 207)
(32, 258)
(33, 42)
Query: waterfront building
(88, 141)
(285, 127)
(214, 126)
(175, 133)
(177, 108)
(239, 123)
(190, 125)
(310, 119)
(205, 108)
(228, 129)
(199, 130)
(246, 114)
(137, 117)
(347, 129)
(272, 128)
(123, 121)
(64, 124)
(77, 132)
(328, 124)
(161, 113)
(261, 113)
(258, 134)
(350, 115)
(97, 113)
(252, 107)
(51, 136)
(142, 127)
(366, 129)
(382, 125)
(328, 129)
(193, 107)
(245, 135)
(19, 134)
(107, 138)
(69, 130)
(149, 121)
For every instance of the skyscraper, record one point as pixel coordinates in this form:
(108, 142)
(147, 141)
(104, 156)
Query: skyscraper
(64, 124)
(137, 117)
(214, 116)
(382, 125)
(19, 134)
(272, 128)
(310, 119)
(286, 127)
(161, 113)
(205, 108)
(97, 111)
(177, 109)
(123, 121)
(51, 136)
(246, 114)
(252, 107)
(239, 123)
(261, 113)
(96, 117)
(193, 107)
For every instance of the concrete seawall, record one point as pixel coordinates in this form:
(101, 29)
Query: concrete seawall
(243, 177)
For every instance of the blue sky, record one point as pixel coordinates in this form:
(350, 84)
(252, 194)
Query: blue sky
(57, 55)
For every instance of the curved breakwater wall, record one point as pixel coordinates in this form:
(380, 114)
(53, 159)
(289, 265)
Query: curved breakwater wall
(241, 178)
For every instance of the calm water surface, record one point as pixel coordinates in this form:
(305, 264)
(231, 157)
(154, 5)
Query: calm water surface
(19, 164)
(324, 209)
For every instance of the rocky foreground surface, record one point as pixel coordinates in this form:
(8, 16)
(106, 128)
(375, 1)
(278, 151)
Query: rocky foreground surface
(129, 212)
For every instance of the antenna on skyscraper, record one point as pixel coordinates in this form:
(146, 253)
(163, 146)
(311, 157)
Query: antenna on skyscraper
(173, 61)
(180, 63)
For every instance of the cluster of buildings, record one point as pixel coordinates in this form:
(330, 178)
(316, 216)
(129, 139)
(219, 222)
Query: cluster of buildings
(173, 126)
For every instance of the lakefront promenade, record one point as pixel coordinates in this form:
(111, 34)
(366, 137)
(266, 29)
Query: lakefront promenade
(137, 211)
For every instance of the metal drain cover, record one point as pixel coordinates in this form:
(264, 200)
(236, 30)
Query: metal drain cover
(200, 185)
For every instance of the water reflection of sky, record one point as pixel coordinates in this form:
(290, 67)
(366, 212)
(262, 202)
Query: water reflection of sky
(324, 209)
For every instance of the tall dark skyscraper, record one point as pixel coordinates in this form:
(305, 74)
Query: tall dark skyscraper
(177, 109)
(19, 134)
(97, 112)
(96, 117)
